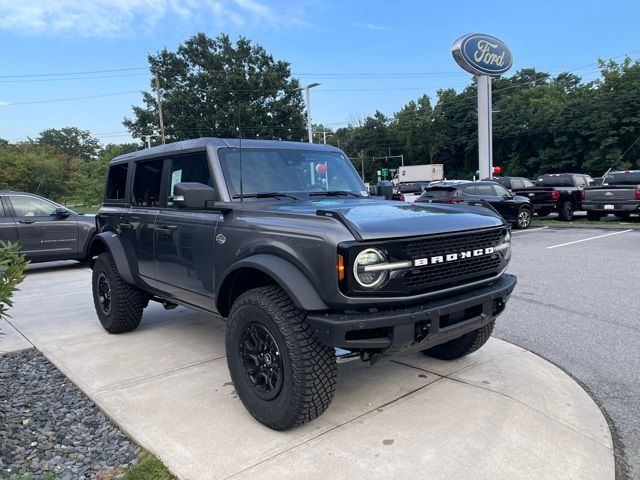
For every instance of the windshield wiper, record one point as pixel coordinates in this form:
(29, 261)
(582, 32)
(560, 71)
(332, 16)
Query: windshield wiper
(334, 193)
(266, 195)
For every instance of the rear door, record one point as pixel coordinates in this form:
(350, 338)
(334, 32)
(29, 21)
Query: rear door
(43, 235)
(8, 229)
(184, 238)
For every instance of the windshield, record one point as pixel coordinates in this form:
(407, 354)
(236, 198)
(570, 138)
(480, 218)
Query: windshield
(288, 171)
(555, 181)
(623, 178)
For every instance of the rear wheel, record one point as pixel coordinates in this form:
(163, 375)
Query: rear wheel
(593, 216)
(524, 218)
(459, 347)
(284, 376)
(118, 304)
(566, 211)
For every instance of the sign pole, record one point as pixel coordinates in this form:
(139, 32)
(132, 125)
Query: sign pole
(485, 143)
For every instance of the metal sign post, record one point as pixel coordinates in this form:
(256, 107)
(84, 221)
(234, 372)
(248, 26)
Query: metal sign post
(485, 128)
(484, 56)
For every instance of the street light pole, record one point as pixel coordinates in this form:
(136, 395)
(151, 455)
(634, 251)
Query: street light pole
(306, 89)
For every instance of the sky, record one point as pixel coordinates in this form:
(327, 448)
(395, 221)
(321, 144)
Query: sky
(367, 55)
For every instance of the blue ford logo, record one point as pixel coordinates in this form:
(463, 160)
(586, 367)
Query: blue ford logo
(482, 54)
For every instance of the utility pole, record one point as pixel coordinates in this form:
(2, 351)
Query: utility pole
(306, 97)
(159, 108)
(324, 136)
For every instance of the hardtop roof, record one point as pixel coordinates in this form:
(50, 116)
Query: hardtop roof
(187, 146)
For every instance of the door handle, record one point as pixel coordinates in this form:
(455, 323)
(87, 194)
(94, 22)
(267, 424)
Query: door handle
(126, 227)
(27, 221)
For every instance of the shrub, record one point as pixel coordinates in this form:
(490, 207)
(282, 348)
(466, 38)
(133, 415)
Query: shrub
(12, 266)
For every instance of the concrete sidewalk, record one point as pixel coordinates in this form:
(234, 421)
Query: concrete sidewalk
(501, 413)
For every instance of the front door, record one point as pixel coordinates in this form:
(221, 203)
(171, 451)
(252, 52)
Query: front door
(42, 233)
(504, 202)
(185, 239)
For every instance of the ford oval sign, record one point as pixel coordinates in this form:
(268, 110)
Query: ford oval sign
(482, 54)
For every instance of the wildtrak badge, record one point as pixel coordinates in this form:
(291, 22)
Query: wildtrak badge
(452, 257)
(482, 54)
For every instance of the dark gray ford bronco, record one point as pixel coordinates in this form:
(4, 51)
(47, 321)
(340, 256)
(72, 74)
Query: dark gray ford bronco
(282, 240)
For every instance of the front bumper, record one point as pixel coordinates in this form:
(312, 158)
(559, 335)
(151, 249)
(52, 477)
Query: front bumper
(418, 327)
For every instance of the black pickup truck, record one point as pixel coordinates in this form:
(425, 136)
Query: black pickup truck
(559, 192)
(619, 194)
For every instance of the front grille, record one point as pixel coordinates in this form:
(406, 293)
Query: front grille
(448, 274)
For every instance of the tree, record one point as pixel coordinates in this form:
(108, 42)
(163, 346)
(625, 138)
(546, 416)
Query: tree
(72, 141)
(211, 87)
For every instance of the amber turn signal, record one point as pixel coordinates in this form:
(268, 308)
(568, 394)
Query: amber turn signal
(340, 267)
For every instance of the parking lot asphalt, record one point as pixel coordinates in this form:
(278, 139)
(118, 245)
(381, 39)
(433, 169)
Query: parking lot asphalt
(499, 413)
(577, 304)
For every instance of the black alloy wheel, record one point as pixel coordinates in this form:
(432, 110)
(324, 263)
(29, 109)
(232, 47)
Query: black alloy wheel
(104, 293)
(262, 361)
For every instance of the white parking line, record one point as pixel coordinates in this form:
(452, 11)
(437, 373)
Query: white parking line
(529, 230)
(591, 238)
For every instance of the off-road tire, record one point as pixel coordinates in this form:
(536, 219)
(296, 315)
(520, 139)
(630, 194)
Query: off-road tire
(309, 368)
(543, 212)
(593, 216)
(523, 220)
(126, 301)
(459, 347)
(567, 211)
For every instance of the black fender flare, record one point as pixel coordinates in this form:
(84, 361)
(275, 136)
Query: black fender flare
(288, 276)
(114, 246)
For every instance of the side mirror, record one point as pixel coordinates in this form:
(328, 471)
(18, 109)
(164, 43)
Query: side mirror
(62, 212)
(193, 195)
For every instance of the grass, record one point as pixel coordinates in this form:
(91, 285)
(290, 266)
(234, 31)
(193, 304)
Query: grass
(85, 208)
(149, 467)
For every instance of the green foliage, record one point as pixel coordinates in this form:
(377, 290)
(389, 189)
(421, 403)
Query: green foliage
(149, 467)
(72, 141)
(12, 266)
(210, 86)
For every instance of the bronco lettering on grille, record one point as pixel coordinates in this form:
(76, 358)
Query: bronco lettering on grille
(452, 257)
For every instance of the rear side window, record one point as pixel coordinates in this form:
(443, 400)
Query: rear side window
(485, 190)
(146, 184)
(116, 182)
(516, 183)
(527, 183)
(470, 190)
(623, 178)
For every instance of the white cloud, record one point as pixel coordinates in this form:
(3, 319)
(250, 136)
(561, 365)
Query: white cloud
(371, 26)
(109, 18)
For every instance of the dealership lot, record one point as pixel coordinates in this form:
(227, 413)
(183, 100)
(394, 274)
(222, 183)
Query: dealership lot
(168, 386)
(577, 305)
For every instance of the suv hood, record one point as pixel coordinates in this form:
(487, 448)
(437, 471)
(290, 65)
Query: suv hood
(383, 219)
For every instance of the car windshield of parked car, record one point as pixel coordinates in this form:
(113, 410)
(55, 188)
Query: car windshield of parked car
(437, 193)
(555, 181)
(623, 178)
(290, 171)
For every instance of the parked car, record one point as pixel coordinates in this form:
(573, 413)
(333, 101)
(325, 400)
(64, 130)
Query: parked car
(514, 183)
(297, 257)
(558, 192)
(515, 209)
(619, 194)
(45, 230)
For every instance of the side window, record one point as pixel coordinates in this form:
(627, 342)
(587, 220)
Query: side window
(579, 181)
(187, 168)
(469, 190)
(116, 182)
(2, 214)
(528, 184)
(485, 190)
(26, 206)
(500, 190)
(517, 183)
(146, 183)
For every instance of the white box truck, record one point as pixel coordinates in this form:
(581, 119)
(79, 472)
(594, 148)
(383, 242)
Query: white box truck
(411, 180)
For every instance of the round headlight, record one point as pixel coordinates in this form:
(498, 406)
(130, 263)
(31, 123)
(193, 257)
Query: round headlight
(368, 257)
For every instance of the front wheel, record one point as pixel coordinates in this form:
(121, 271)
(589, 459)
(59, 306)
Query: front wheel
(566, 211)
(284, 376)
(524, 218)
(459, 347)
